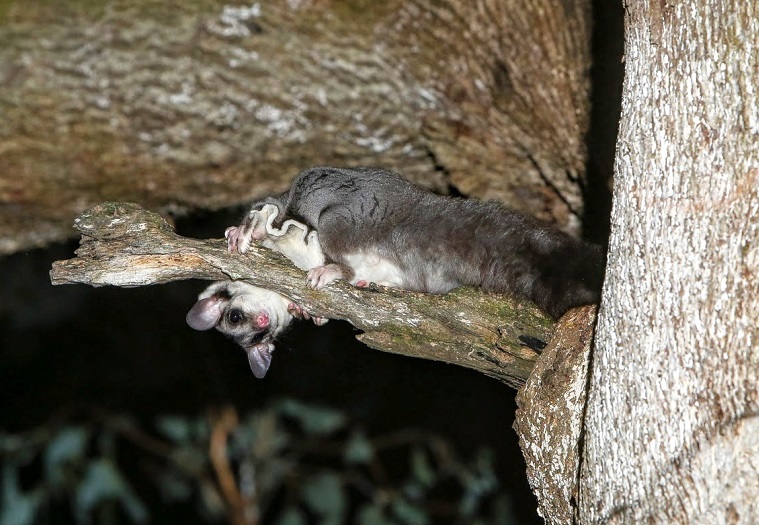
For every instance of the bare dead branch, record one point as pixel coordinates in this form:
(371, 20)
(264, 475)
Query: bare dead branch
(125, 245)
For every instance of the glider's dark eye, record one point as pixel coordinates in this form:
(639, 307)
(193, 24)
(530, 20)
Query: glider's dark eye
(235, 316)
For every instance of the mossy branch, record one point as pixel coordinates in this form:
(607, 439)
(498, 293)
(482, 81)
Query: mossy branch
(125, 245)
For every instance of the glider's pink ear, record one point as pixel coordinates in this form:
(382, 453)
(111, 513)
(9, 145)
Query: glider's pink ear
(205, 314)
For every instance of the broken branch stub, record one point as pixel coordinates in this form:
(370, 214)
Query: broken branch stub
(125, 245)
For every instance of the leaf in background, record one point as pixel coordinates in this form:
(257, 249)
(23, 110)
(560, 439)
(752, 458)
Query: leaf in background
(469, 502)
(478, 483)
(173, 486)
(200, 429)
(421, 468)
(408, 513)
(291, 516)
(259, 434)
(211, 504)
(176, 428)
(413, 490)
(66, 449)
(372, 515)
(323, 494)
(190, 458)
(358, 450)
(484, 467)
(312, 419)
(503, 511)
(20, 447)
(23, 511)
(17, 508)
(103, 482)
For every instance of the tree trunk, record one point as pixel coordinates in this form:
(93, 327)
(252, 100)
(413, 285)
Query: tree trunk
(181, 105)
(671, 429)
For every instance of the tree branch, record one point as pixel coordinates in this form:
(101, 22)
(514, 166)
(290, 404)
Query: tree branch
(125, 245)
(549, 417)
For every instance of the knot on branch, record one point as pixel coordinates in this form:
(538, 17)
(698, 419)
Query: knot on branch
(112, 220)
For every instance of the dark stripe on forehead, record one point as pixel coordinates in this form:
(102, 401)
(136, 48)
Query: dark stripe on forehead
(223, 293)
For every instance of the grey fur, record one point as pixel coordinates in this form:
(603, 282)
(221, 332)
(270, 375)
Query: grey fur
(436, 243)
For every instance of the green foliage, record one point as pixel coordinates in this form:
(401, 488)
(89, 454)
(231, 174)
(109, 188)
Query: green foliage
(311, 418)
(63, 454)
(18, 508)
(292, 516)
(479, 482)
(358, 450)
(373, 515)
(421, 469)
(291, 464)
(323, 495)
(103, 482)
(409, 513)
(177, 429)
(76, 466)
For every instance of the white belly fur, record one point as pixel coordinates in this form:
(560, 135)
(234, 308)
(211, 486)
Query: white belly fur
(373, 268)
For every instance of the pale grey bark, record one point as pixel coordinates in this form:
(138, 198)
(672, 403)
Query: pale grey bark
(671, 432)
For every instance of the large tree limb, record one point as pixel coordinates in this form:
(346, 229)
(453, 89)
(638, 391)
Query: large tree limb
(157, 102)
(125, 245)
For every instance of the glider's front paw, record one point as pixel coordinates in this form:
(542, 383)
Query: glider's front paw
(253, 228)
(233, 236)
(297, 310)
(321, 276)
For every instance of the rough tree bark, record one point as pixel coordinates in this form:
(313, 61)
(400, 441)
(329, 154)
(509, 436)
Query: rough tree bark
(184, 105)
(669, 433)
(671, 427)
(550, 415)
